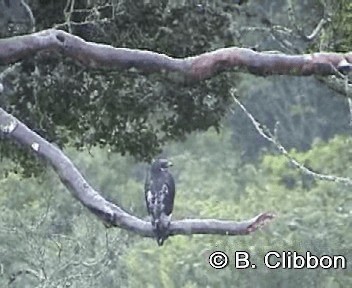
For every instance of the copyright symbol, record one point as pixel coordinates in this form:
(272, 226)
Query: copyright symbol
(218, 260)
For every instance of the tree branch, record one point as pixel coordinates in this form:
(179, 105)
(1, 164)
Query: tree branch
(338, 84)
(32, 272)
(317, 29)
(109, 212)
(265, 133)
(195, 68)
(299, 29)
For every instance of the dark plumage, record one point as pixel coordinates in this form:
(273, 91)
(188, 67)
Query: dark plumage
(159, 197)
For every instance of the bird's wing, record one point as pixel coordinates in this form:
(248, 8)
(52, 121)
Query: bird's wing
(169, 194)
(147, 193)
(147, 181)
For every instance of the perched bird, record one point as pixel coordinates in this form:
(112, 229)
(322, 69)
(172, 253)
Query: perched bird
(159, 197)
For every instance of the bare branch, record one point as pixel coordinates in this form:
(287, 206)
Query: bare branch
(109, 212)
(212, 226)
(264, 132)
(195, 68)
(30, 14)
(68, 13)
(317, 29)
(38, 275)
(299, 29)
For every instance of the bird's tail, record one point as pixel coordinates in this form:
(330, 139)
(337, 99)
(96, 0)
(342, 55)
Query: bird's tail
(160, 231)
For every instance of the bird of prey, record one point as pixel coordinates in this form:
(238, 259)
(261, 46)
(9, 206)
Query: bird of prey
(159, 197)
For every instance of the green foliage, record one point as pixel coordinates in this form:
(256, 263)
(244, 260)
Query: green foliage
(299, 110)
(212, 182)
(45, 230)
(138, 114)
(127, 112)
(339, 32)
(312, 216)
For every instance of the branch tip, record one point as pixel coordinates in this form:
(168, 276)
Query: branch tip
(260, 221)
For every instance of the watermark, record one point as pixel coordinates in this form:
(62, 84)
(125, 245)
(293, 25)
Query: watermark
(218, 260)
(293, 260)
(277, 260)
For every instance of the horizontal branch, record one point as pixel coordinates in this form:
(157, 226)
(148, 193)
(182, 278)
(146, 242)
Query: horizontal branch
(195, 68)
(109, 212)
(222, 227)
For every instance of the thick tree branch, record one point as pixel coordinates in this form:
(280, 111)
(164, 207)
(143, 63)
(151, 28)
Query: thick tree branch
(105, 210)
(190, 69)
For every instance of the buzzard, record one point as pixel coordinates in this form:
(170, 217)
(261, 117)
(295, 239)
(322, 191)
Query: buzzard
(159, 197)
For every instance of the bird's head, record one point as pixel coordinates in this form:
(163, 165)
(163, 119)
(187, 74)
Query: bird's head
(161, 165)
